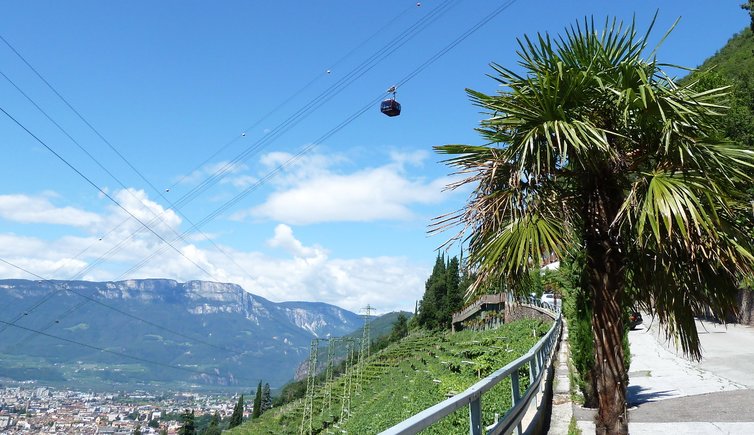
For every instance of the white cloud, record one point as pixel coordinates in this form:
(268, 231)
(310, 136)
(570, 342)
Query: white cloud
(284, 239)
(306, 273)
(39, 210)
(415, 158)
(314, 193)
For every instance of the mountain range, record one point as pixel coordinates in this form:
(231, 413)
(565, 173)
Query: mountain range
(157, 333)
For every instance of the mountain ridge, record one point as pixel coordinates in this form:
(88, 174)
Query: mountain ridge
(269, 338)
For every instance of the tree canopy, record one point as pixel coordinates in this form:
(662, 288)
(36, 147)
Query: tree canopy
(443, 294)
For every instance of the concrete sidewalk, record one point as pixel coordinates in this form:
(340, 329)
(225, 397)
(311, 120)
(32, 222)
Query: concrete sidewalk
(670, 394)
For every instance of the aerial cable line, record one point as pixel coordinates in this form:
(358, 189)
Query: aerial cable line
(295, 94)
(268, 176)
(157, 217)
(177, 209)
(366, 66)
(121, 354)
(65, 287)
(333, 90)
(340, 126)
(497, 11)
(108, 196)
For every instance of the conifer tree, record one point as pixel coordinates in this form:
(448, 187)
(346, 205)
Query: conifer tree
(432, 304)
(266, 397)
(400, 328)
(237, 417)
(454, 293)
(257, 402)
(189, 426)
(214, 425)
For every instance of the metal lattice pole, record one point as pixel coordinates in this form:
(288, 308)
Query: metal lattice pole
(306, 417)
(327, 396)
(365, 346)
(345, 402)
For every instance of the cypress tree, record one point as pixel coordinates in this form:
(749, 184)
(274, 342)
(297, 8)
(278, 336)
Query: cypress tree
(454, 293)
(237, 417)
(258, 402)
(431, 305)
(266, 397)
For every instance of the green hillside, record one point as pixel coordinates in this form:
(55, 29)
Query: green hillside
(736, 59)
(733, 65)
(411, 375)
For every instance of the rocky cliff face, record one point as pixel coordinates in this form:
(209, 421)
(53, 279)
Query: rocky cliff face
(269, 339)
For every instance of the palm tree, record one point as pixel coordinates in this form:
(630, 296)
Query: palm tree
(593, 147)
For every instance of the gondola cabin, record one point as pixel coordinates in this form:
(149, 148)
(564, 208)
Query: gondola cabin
(390, 107)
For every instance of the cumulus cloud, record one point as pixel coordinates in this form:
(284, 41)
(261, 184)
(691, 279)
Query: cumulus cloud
(39, 210)
(284, 239)
(315, 193)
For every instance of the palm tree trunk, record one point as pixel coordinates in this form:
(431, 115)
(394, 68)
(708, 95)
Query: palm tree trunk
(605, 266)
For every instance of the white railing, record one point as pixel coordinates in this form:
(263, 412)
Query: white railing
(539, 358)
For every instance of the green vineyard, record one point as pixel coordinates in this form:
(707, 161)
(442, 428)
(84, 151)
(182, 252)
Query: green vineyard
(406, 377)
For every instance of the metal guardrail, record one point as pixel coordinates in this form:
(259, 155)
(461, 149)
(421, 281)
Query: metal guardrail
(538, 358)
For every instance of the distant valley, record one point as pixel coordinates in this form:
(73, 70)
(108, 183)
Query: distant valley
(156, 333)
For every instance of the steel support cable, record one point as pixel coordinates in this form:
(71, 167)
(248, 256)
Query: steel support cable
(495, 12)
(156, 216)
(260, 182)
(120, 354)
(313, 104)
(392, 47)
(306, 149)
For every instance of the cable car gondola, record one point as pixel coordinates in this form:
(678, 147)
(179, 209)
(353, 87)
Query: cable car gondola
(390, 107)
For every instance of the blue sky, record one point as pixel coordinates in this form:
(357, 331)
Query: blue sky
(182, 88)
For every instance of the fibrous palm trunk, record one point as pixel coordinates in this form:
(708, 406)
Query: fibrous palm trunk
(605, 265)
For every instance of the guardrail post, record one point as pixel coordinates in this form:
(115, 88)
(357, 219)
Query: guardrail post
(475, 416)
(516, 394)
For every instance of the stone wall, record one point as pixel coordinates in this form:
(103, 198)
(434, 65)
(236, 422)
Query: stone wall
(515, 312)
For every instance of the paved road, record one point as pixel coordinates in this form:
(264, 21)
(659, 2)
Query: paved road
(670, 394)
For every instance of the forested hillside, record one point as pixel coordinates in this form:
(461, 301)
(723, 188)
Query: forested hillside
(733, 65)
